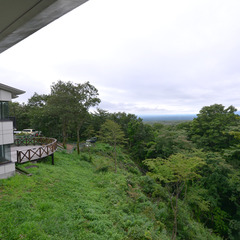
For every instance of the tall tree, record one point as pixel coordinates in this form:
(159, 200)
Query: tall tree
(167, 141)
(98, 118)
(21, 114)
(61, 103)
(112, 134)
(39, 117)
(38, 100)
(86, 96)
(70, 103)
(175, 172)
(222, 182)
(136, 132)
(208, 130)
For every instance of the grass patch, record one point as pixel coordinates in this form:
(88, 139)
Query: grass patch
(80, 197)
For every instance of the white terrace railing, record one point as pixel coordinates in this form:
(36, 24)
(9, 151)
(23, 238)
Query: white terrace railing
(43, 147)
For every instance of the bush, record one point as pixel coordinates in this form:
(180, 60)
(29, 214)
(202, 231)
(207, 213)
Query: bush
(148, 185)
(86, 157)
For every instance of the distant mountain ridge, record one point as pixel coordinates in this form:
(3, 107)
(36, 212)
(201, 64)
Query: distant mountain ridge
(171, 117)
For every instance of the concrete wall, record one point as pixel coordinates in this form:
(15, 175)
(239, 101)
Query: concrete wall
(7, 170)
(5, 96)
(6, 137)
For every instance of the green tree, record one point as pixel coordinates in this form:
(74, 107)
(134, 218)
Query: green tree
(123, 119)
(167, 141)
(37, 100)
(98, 118)
(39, 117)
(70, 103)
(21, 114)
(232, 154)
(112, 134)
(138, 134)
(61, 103)
(208, 130)
(222, 182)
(86, 96)
(175, 172)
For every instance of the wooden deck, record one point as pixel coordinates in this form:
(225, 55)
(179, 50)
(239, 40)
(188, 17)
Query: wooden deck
(32, 149)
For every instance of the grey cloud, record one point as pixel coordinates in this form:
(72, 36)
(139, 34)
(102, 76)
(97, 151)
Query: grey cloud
(173, 60)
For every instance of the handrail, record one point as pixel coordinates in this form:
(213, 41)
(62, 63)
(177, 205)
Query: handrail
(25, 141)
(49, 146)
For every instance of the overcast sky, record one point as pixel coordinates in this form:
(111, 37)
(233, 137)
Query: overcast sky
(144, 57)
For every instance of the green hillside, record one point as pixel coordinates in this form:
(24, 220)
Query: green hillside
(81, 197)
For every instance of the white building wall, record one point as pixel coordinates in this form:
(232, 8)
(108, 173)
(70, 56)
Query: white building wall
(6, 137)
(5, 96)
(6, 133)
(7, 170)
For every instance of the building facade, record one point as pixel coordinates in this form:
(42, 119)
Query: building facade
(18, 20)
(7, 167)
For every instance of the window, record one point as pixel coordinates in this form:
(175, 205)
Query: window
(5, 153)
(4, 112)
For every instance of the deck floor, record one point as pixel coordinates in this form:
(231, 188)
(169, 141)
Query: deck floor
(14, 150)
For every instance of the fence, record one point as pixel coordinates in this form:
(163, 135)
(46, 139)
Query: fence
(47, 148)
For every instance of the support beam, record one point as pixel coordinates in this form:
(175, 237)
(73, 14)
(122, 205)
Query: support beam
(52, 159)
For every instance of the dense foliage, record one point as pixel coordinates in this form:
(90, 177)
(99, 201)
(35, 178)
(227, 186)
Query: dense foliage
(187, 175)
(81, 197)
(209, 129)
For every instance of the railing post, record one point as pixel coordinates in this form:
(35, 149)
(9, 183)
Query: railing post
(18, 158)
(53, 159)
(29, 155)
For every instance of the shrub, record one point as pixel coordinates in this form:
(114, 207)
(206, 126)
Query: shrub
(86, 157)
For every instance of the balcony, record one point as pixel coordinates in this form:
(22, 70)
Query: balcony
(28, 149)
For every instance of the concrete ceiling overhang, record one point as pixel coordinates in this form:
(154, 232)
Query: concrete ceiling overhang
(14, 91)
(21, 18)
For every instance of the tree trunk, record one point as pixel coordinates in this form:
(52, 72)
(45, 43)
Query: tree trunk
(79, 126)
(78, 139)
(115, 156)
(175, 212)
(64, 134)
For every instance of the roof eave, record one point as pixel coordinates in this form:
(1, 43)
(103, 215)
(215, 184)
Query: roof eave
(14, 91)
(34, 20)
